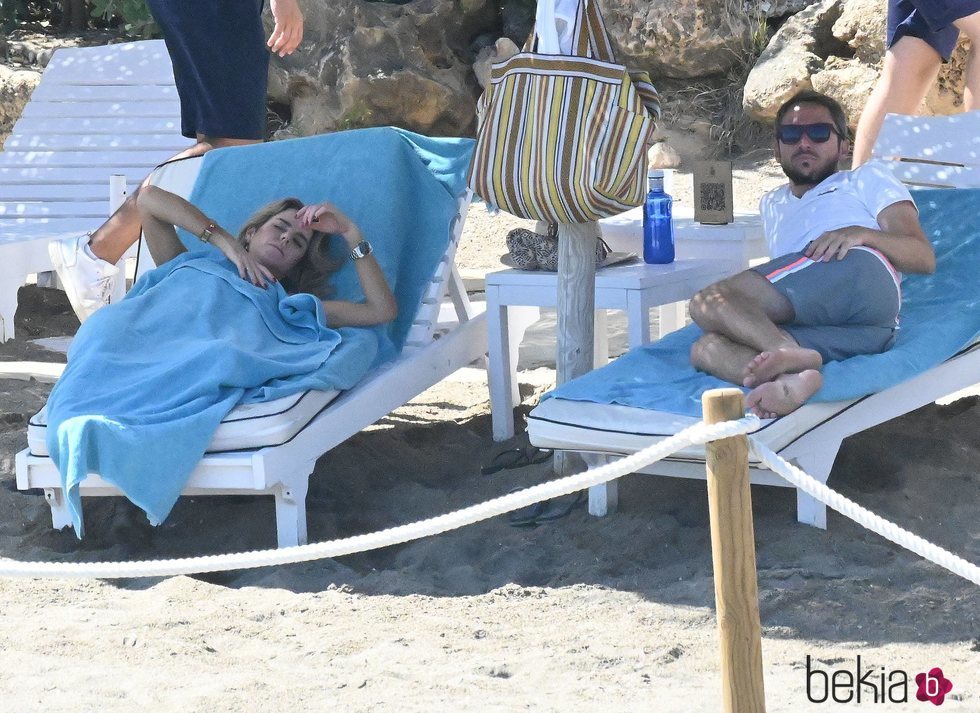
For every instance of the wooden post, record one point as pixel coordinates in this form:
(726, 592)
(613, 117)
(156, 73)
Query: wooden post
(576, 299)
(576, 307)
(733, 557)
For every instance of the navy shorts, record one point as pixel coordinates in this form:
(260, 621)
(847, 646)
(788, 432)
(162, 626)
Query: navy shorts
(842, 308)
(929, 20)
(221, 65)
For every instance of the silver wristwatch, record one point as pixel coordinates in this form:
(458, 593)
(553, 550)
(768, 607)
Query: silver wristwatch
(362, 249)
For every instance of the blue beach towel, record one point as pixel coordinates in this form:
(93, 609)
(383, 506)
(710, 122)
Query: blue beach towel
(149, 379)
(940, 316)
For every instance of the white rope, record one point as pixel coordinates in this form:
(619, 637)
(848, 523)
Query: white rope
(695, 435)
(864, 517)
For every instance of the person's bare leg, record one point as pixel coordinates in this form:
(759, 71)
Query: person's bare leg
(747, 309)
(766, 366)
(970, 26)
(784, 394)
(910, 69)
(122, 230)
(721, 357)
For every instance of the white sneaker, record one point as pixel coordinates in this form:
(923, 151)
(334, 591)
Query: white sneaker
(87, 279)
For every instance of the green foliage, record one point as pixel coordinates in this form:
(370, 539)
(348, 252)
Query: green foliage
(133, 14)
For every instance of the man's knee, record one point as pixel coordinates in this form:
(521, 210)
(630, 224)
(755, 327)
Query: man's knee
(709, 303)
(703, 348)
(706, 303)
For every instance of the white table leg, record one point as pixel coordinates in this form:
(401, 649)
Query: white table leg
(672, 317)
(500, 375)
(601, 355)
(638, 319)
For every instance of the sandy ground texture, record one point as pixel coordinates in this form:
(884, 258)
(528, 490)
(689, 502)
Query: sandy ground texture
(579, 614)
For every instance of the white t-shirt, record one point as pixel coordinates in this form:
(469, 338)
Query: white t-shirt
(845, 198)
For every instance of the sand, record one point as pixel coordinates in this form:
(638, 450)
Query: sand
(580, 614)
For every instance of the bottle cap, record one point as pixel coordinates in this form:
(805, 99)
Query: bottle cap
(655, 173)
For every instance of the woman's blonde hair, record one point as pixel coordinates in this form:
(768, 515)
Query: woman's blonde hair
(310, 274)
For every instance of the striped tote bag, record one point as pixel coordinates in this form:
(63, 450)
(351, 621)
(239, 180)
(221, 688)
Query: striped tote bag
(563, 138)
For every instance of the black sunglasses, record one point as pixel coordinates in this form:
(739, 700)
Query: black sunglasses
(817, 133)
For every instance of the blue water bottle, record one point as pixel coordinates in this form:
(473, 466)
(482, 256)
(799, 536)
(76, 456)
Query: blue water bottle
(658, 224)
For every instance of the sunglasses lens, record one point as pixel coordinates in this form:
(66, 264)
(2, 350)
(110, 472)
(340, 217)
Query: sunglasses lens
(819, 132)
(789, 134)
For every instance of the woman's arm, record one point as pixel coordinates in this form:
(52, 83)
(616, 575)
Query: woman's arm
(379, 305)
(161, 212)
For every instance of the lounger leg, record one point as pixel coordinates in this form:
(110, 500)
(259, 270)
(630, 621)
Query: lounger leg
(60, 516)
(809, 510)
(603, 499)
(291, 513)
(8, 306)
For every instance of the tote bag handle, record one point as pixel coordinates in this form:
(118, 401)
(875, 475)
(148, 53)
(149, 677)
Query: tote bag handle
(589, 38)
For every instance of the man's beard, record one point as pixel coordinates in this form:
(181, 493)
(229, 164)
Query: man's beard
(809, 178)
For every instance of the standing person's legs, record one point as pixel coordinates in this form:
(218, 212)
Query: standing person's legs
(970, 26)
(220, 67)
(915, 54)
(221, 71)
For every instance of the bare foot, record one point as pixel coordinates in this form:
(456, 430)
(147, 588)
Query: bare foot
(786, 393)
(786, 360)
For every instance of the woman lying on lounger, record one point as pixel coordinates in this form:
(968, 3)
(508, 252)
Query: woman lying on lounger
(283, 241)
(149, 379)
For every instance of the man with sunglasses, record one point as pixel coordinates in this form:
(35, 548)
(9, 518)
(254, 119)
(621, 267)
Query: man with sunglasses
(840, 241)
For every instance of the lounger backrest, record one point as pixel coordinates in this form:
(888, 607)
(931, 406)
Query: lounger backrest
(932, 151)
(97, 111)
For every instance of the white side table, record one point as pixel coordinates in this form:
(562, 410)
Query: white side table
(742, 240)
(634, 288)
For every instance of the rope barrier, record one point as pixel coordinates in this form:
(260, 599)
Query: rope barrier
(694, 435)
(864, 517)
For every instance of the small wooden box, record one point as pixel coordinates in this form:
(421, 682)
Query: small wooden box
(713, 202)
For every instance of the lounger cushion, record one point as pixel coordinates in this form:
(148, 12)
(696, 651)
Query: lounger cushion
(248, 426)
(580, 425)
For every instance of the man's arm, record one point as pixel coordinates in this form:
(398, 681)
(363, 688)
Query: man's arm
(900, 239)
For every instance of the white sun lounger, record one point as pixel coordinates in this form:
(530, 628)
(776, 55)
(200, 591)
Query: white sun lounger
(937, 152)
(271, 448)
(97, 112)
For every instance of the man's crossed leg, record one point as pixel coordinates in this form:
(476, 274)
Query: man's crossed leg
(744, 344)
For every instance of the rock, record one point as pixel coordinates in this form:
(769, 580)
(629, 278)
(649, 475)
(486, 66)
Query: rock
(946, 95)
(862, 26)
(849, 81)
(781, 8)
(503, 49)
(16, 86)
(679, 38)
(516, 20)
(837, 47)
(797, 51)
(373, 64)
(663, 155)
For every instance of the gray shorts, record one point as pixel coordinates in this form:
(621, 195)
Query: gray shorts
(841, 307)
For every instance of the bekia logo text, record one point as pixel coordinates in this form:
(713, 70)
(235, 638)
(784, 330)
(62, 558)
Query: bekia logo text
(873, 685)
